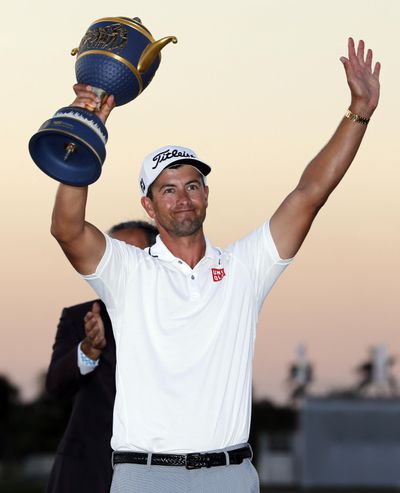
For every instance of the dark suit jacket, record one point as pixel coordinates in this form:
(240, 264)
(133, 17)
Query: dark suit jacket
(83, 460)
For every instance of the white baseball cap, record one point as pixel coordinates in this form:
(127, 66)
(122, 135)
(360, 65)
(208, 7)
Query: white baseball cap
(162, 158)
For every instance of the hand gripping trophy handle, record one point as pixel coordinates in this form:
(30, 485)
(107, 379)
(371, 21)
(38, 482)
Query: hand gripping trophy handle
(118, 56)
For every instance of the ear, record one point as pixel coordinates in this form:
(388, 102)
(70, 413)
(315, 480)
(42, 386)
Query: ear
(147, 205)
(206, 191)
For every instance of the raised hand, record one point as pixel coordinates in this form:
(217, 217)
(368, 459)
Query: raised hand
(95, 340)
(86, 98)
(362, 79)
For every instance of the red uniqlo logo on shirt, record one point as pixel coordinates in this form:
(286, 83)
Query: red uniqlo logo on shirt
(217, 274)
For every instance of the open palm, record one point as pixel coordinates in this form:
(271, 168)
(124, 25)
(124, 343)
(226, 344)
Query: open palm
(362, 79)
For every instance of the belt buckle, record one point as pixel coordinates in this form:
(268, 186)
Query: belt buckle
(196, 461)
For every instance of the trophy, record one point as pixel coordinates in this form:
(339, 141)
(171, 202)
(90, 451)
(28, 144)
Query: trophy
(118, 56)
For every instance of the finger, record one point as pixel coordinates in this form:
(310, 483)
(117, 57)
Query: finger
(95, 336)
(360, 51)
(88, 316)
(91, 326)
(85, 103)
(110, 101)
(94, 321)
(96, 308)
(368, 60)
(99, 345)
(346, 64)
(351, 49)
(86, 99)
(81, 88)
(85, 91)
(99, 339)
(91, 333)
(107, 107)
(377, 70)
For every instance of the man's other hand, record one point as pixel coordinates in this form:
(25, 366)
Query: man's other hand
(95, 340)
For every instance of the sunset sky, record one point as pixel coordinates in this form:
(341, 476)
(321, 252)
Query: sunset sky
(256, 88)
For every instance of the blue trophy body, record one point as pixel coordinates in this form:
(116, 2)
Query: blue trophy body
(116, 56)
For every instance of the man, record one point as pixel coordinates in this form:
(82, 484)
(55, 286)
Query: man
(83, 365)
(184, 313)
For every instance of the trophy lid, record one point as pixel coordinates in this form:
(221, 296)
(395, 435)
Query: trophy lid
(137, 20)
(134, 22)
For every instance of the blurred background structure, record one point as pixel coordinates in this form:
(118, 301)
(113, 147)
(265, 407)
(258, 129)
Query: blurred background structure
(348, 438)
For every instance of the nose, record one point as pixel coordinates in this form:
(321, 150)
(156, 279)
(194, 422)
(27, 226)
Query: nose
(182, 197)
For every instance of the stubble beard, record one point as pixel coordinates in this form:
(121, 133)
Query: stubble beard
(187, 227)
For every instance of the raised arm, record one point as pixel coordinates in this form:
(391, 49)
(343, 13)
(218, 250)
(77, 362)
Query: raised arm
(82, 243)
(292, 221)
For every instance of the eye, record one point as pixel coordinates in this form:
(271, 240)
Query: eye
(193, 186)
(169, 190)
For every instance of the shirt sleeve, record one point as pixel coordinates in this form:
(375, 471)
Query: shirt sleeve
(85, 364)
(258, 253)
(110, 278)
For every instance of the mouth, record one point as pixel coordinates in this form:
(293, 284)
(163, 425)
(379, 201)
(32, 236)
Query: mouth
(183, 211)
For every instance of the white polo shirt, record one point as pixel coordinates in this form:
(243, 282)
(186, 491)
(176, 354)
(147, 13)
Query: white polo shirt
(185, 341)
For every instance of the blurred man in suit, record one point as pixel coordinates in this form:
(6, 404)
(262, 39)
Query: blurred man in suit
(83, 365)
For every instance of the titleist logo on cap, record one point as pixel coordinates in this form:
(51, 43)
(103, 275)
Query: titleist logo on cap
(167, 154)
(156, 162)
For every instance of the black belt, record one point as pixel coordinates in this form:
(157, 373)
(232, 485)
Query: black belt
(190, 461)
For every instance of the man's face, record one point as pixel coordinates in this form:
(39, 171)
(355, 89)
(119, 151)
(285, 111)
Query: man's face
(179, 201)
(136, 237)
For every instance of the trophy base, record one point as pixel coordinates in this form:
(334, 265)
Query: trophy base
(70, 147)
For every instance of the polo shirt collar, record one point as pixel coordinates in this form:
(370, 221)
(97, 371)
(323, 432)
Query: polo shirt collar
(161, 251)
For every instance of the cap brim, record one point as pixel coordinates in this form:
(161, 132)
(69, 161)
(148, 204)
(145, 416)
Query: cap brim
(202, 167)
